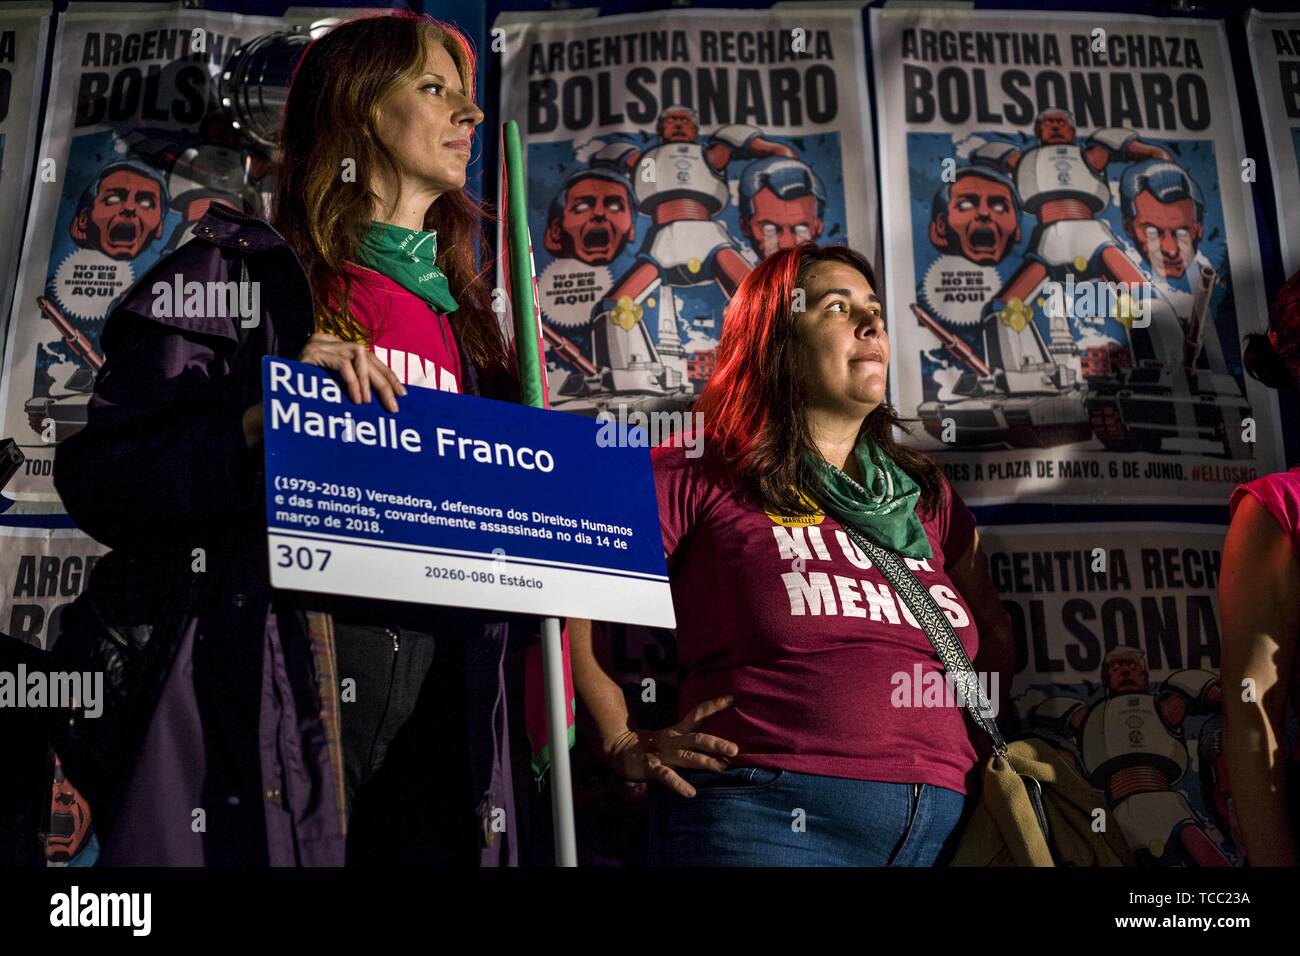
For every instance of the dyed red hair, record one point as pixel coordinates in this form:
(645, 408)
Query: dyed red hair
(753, 406)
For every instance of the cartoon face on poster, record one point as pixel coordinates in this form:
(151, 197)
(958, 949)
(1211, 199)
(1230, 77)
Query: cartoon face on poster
(666, 157)
(1064, 292)
(1117, 662)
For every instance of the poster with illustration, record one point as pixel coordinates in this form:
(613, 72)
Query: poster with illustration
(1071, 255)
(667, 153)
(41, 571)
(1117, 656)
(1274, 42)
(140, 138)
(24, 27)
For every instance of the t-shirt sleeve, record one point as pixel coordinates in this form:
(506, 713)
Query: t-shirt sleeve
(955, 524)
(1280, 496)
(680, 488)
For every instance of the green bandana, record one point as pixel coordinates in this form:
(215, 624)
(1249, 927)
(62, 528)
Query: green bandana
(406, 256)
(885, 509)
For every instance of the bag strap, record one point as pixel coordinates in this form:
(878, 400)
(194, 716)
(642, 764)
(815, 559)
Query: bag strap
(937, 628)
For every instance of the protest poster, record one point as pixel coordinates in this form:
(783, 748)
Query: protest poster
(667, 153)
(1071, 255)
(1117, 657)
(140, 138)
(1274, 43)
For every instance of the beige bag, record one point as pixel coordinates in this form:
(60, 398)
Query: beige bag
(1035, 810)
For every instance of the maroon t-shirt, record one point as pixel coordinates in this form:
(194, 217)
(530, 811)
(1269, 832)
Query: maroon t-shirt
(787, 615)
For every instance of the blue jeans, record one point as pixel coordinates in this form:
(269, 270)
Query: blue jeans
(752, 816)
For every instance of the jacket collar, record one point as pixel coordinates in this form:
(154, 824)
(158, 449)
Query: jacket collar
(229, 228)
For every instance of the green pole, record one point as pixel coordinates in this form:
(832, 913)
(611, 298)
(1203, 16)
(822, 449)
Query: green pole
(521, 274)
(531, 392)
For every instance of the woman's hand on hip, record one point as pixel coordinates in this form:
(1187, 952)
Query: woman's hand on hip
(652, 754)
(357, 366)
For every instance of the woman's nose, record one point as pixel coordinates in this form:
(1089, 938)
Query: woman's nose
(870, 326)
(468, 112)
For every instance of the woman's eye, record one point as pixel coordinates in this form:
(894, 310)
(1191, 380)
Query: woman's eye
(433, 86)
(842, 306)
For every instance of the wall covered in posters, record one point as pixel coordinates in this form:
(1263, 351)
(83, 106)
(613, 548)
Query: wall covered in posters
(1070, 257)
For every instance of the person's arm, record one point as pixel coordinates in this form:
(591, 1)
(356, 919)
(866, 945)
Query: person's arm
(602, 697)
(163, 454)
(996, 655)
(640, 755)
(1259, 607)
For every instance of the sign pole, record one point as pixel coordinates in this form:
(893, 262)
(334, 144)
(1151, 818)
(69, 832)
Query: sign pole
(532, 391)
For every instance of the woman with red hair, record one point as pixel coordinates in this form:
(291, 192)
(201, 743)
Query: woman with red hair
(806, 737)
(1259, 603)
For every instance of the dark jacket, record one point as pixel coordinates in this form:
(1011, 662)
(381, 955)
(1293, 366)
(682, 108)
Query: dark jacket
(246, 727)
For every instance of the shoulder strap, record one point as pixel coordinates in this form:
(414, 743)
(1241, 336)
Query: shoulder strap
(938, 629)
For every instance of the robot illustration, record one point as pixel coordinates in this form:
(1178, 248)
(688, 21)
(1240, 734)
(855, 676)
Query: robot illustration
(1062, 182)
(782, 203)
(681, 184)
(212, 166)
(1039, 401)
(1132, 748)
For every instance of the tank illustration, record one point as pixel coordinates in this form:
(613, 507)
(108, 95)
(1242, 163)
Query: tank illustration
(64, 403)
(1168, 404)
(1027, 395)
(630, 371)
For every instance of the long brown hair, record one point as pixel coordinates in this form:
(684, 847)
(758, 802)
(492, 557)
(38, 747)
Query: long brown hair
(328, 128)
(753, 406)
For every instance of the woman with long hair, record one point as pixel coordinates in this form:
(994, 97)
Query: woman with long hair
(372, 268)
(1259, 604)
(809, 732)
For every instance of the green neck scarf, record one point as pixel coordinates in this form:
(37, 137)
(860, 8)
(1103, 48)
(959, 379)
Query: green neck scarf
(406, 256)
(884, 508)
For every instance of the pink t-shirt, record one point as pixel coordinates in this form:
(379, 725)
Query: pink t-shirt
(1280, 494)
(409, 337)
(825, 663)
